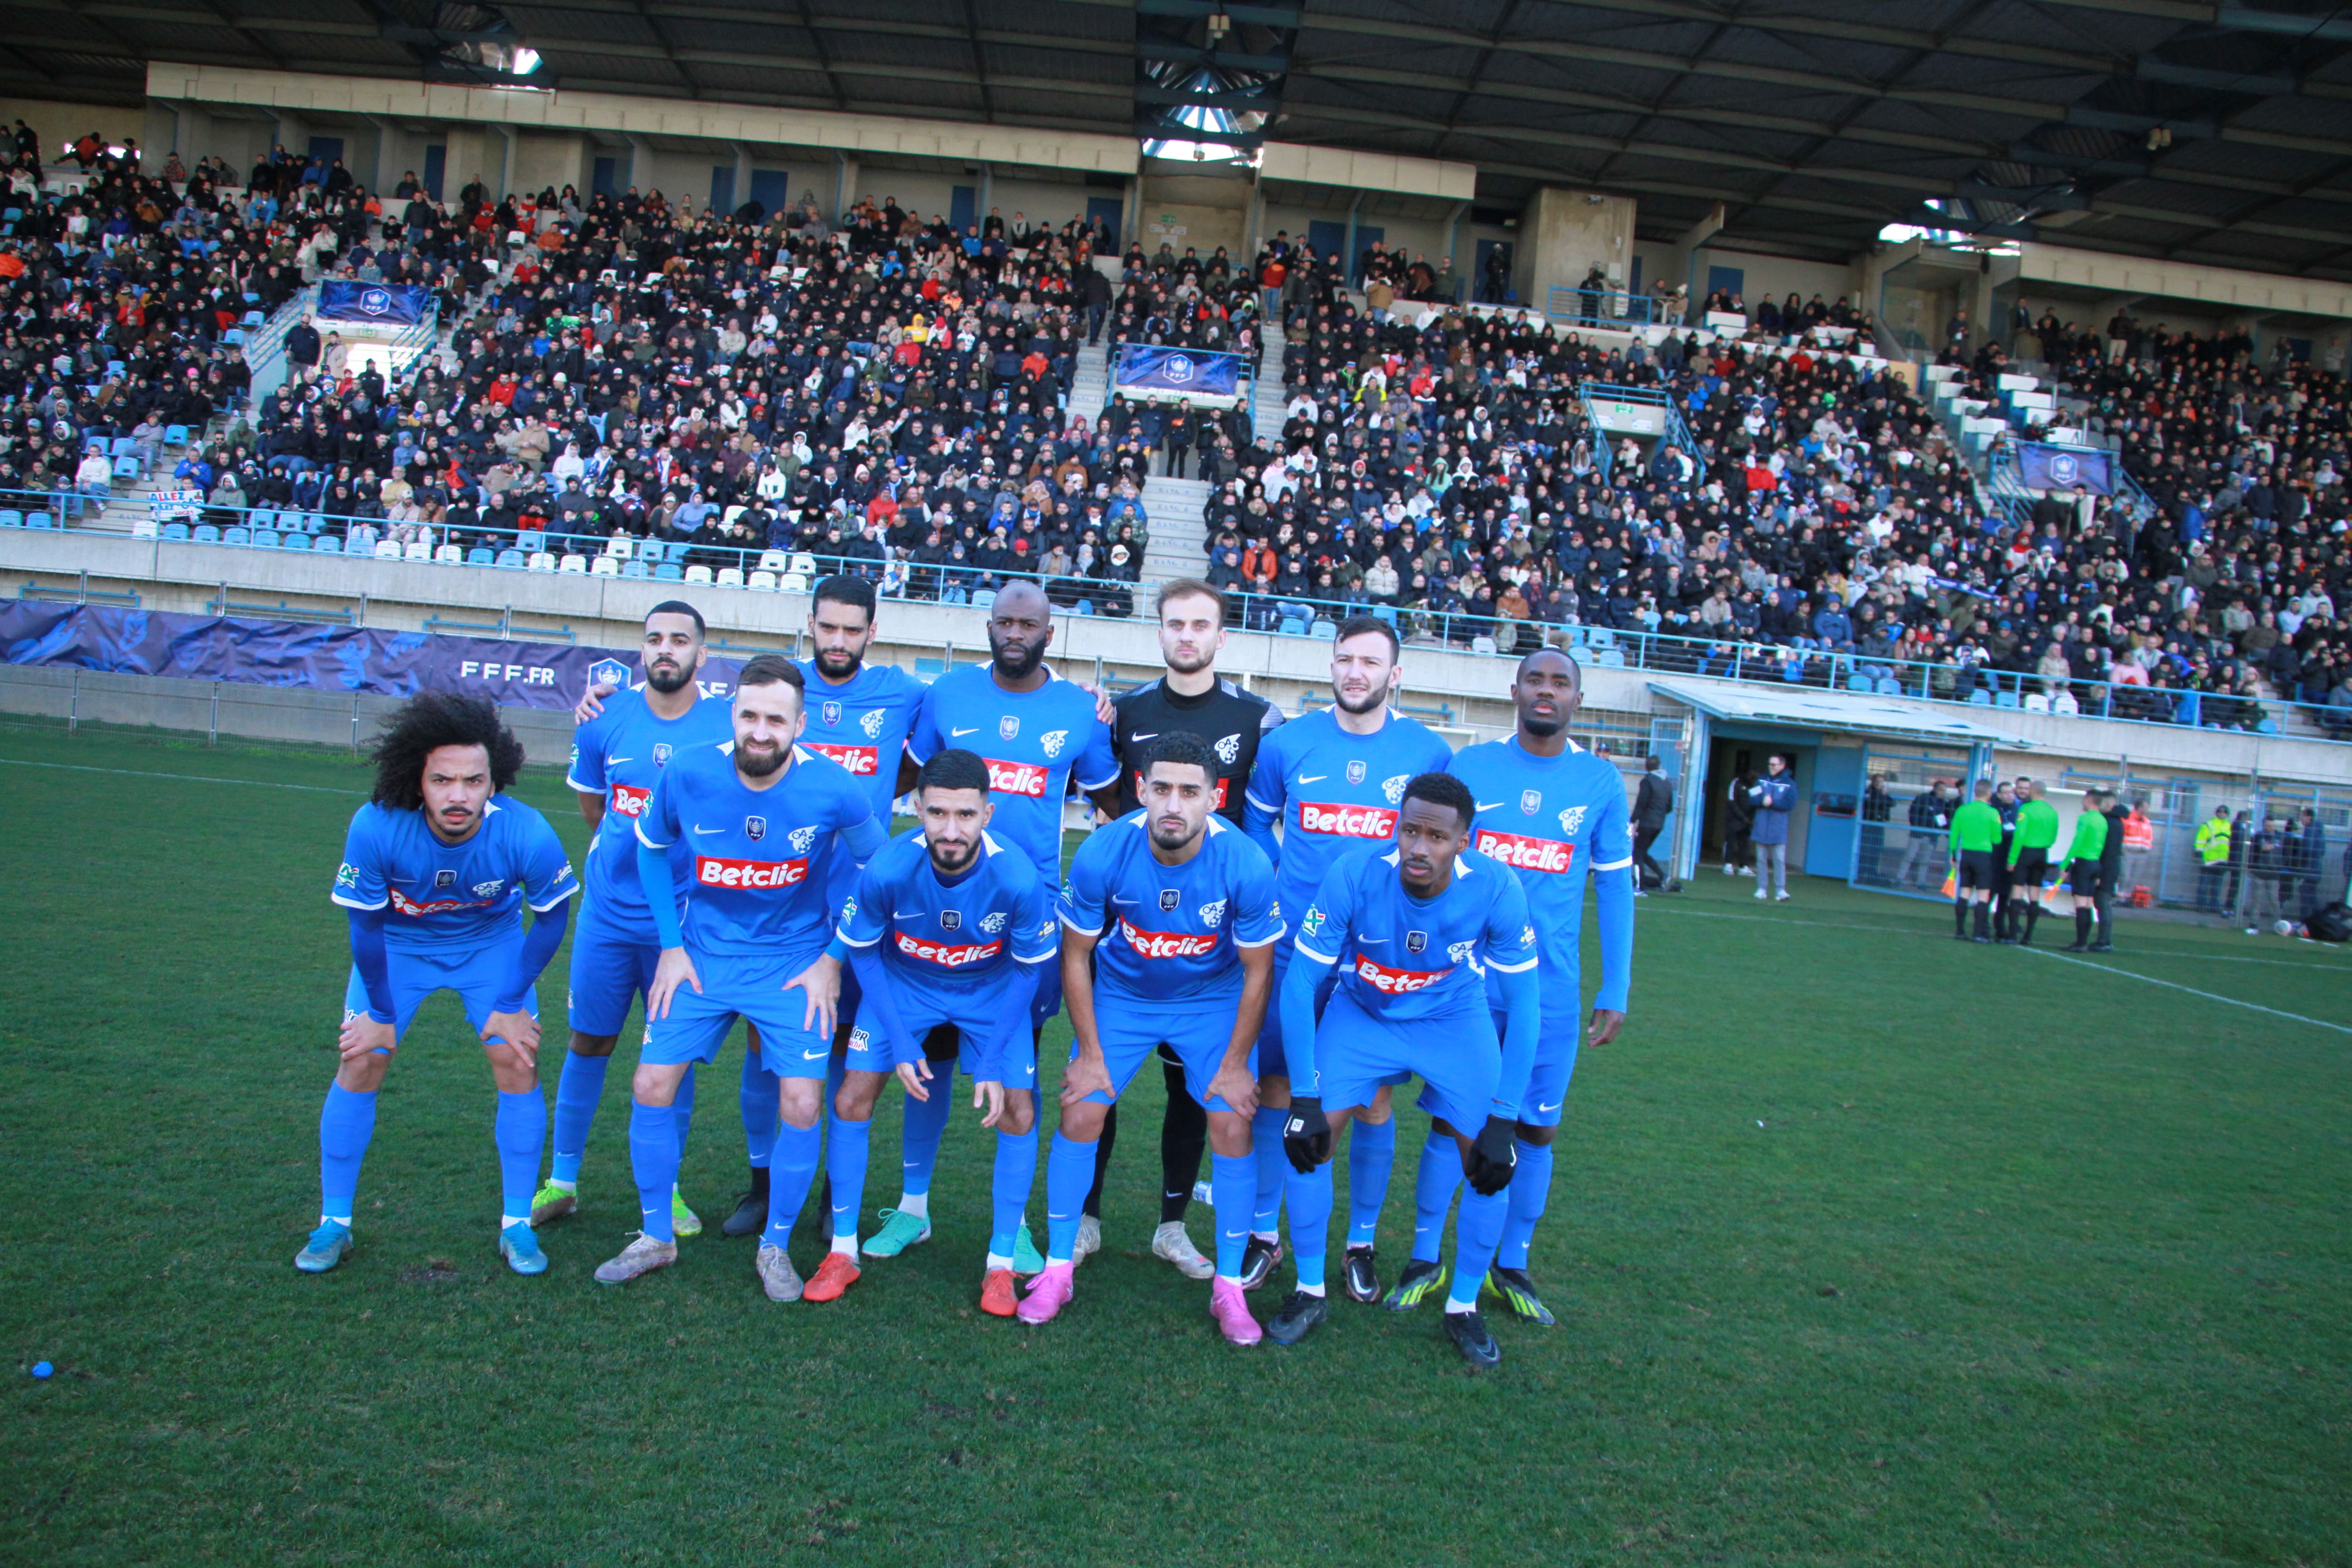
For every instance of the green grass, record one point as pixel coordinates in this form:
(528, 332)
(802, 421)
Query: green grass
(1869, 1247)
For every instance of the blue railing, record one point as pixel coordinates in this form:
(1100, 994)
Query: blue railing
(1598, 308)
(1724, 658)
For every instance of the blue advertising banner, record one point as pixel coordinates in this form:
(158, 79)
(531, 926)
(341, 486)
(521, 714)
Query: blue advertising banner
(318, 659)
(386, 304)
(1145, 368)
(2047, 468)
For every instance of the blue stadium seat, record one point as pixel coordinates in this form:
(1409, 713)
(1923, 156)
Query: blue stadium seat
(669, 571)
(297, 540)
(175, 531)
(261, 517)
(265, 539)
(1291, 628)
(512, 559)
(2006, 699)
(1979, 698)
(635, 569)
(1860, 683)
(205, 533)
(41, 520)
(127, 469)
(1085, 606)
(324, 543)
(1613, 657)
(479, 557)
(236, 534)
(1889, 687)
(176, 435)
(11, 519)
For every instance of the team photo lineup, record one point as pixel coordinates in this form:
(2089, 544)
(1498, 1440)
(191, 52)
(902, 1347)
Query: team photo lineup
(1313, 926)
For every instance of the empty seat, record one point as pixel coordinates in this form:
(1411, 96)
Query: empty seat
(605, 566)
(774, 560)
(261, 517)
(621, 547)
(792, 582)
(11, 519)
(669, 571)
(765, 582)
(730, 576)
(699, 574)
(127, 469)
(297, 541)
(2004, 700)
(417, 553)
(1320, 627)
(573, 563)
(1291, 628)
(1613, 657)
(509, 560)
(265, 538)
(1484, 644)
(1889, 687)
(205, 533)
(1981, 697)
(635, 569)
(176, 435)
(540, 560)
(476, 557)
(171, 530)
(450, 556)
(387, 550)
(236, 535)
(1860, 683)
(805, 564)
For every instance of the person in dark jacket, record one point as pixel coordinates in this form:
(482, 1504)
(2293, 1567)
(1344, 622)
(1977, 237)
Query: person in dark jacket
(1652, 802)
(1738, 823)
(1774, 798)
(2312, 863)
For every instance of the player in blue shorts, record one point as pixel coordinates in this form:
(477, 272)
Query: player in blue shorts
(1038, 734)
(950, 929)
(1333, 781)
(1414, 934)
(617, 756)
(436, 868)
(758, 817)
(1554, 813)
(1176, 910)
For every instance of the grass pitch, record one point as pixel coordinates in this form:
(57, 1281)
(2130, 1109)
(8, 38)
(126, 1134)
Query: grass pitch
(1869, 1247)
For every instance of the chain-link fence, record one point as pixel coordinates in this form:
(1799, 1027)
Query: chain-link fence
(1901, 843)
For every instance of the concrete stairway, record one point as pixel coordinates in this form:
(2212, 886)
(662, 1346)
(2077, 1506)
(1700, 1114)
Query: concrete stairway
(1267, 396)
(1178, 532)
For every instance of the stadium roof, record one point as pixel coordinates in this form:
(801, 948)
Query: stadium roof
(2216, 133)
(1843, 712)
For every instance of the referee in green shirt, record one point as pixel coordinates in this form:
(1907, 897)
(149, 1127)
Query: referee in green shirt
(2029, 861)
(2086, 875)
(1976, 842)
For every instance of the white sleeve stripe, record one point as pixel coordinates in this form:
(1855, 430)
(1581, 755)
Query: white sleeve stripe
(583, 788)
(570, 892)
(1251, 796)
(847, 940)
(648, 842)
(1083, 931)
(1615, 865)
(1511, 968)
(1303, 951)
(1268, 942)
(355, 904)
(1047, 957)
(1112, 778)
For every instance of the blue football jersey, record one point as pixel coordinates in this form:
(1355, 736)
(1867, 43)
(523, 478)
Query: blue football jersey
(964, 934)
(863, 724)
(1169, 933)
(758, 860)
(1404, 958)
(1332, 791)
(1555, 821)
(620, 755)
(1035, 743)
(452, 896)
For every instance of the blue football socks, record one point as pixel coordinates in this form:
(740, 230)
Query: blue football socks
(1529, 1190)
(1069, 1172)
(578, 1089)
(520, 1130)
(681, 1108)
(927, 1122)
(1016, 1173)
(789, 1174)
(844, 1162)
(346, 1122)
(1310, 1223)
(1371, 1154)
(1273, 1168)
(762, 1094)
(1433, 1193)
(1474, 1235)
(653, 1162)
(1233, 1199)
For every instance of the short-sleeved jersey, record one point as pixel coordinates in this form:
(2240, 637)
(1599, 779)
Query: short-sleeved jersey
(1553, 820)
(963, 935)
(863, 724)
(1231, 721)
(1035, 744)
(620, 755)
(1404, 958)
(1333, 792)
(1171, 933)
(452, 897)
(757, 860)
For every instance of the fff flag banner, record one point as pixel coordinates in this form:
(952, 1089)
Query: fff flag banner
(2047, 468)
(385, 304)
(1144, 367)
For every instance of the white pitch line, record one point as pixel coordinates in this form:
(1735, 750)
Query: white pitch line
(2314, 966)
(2173, 986)
(185, 778)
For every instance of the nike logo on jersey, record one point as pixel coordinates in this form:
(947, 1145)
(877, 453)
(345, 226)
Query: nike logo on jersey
(711, 830)
(1369, 940)
(1312, 778)
(973, 731)
(1117, 900)
(1484, 806)
(616, 761)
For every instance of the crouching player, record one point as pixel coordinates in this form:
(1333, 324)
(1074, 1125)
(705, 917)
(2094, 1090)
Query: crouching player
(947, 927)
(1415, 932)
(758, 817)
(435, 870)
(1190, 965)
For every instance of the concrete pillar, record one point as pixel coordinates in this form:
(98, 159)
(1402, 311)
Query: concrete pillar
(1565, 233)
(845, 184)
(742, 174)
(641, 165)
(1347, 251)
(987, 192)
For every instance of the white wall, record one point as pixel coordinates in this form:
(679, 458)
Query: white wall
(1779, 276)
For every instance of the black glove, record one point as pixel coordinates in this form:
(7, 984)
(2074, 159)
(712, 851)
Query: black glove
(1306, 1136)
(1492, 1157)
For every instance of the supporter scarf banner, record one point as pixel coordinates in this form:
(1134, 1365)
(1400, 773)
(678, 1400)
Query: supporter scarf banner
(2046, 467)
(1144, 368)
(389, 304)
(334, 659)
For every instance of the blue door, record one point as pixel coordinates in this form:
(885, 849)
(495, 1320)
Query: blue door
(1110, 210)
(772, 189)
(1735, 278)
(326, 149)
(963, 208)
(605, 182)
(722, 187)
(1327, 239)
(436, 163)
(1486, 247)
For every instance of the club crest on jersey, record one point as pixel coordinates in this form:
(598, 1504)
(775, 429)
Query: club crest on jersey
(1008, 727)
(1393, 787)
(872, 723)
(757, 827)
(1355, 772)
(991, 922)
(608, 672)
(801, 839)
(1229, 750)
(1571, 819)
(445, 879)
(1052, 741)
(661, 753)
(489, 890)
(950, 920)
(1416, 941)
(1167, 900)
(832, 711)
(1531, 802)
(1213, 915)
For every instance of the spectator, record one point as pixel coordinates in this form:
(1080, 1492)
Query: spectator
(1653, 799)
(1930, 818)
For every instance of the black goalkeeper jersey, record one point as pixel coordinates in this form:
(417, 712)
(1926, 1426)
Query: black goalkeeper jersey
(1230, 720)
